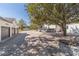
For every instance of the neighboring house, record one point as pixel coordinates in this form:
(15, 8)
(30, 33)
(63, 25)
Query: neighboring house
(72, 28)
(55, 27)
(8, 28)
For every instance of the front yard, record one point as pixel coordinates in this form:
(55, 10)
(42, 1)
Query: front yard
(34, 43)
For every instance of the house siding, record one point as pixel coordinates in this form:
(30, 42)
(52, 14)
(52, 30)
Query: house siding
(73, 29)
(7, 29)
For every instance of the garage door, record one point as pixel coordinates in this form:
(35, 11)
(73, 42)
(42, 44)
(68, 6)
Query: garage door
(13, 31)
(5, 32)
(16, 31)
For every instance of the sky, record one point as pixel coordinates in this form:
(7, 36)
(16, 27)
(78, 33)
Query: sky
(14, 10)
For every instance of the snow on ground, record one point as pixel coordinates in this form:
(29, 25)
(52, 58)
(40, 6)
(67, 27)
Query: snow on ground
(34, 43)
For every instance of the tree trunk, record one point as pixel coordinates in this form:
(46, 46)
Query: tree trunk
(64, 22)
(64, 29)
(64, 32)
(40, 28)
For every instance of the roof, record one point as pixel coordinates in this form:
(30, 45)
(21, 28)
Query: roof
(10, 20)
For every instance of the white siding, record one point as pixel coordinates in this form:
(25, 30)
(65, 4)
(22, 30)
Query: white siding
(0, 33)
(73, 29)
(7, 24)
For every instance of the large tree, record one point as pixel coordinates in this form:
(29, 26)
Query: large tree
(59, 14)
(21, 24)
(36, 14)
(64, 14)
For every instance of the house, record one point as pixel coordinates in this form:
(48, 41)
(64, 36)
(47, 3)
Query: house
(72, 29)
(52, 26)
(8, 28)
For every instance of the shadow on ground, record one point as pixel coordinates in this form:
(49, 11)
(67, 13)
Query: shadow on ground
(21, 45)
(44, 47)
(13, 46)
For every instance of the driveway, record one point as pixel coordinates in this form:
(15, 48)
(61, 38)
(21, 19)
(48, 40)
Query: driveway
(13, 46)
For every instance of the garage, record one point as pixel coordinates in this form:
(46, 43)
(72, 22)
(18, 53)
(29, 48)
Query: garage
(8, 28)
(5, 32)
(13, 31)
(16, 31)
